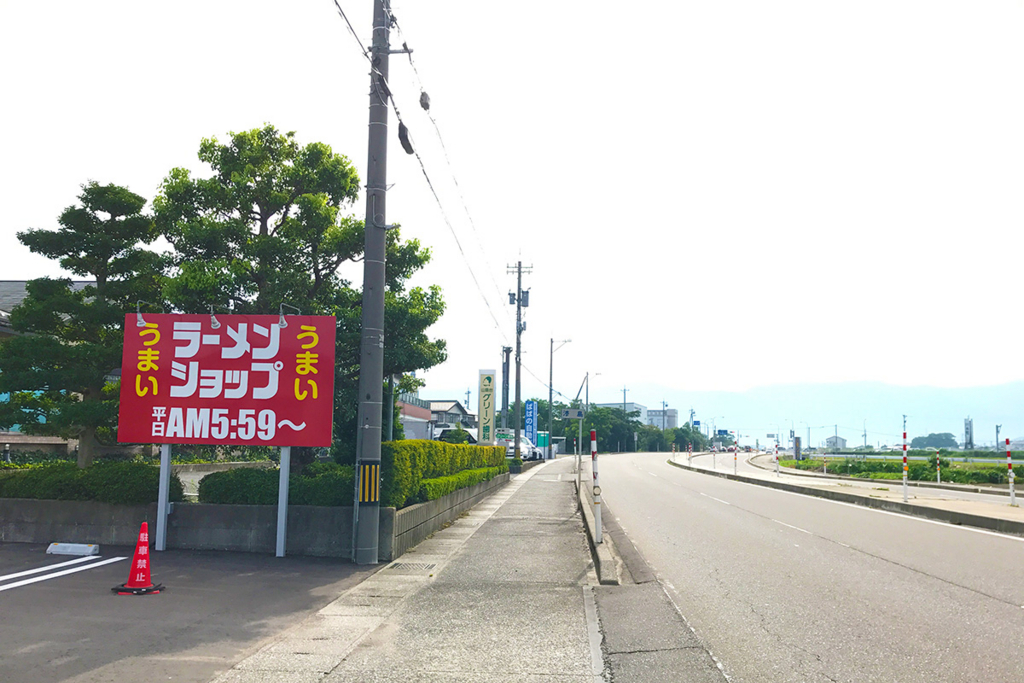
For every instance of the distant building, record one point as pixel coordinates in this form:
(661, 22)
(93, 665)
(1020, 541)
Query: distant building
(837, 443)
(414, 414)
(630, 408)
(663, 419)
(452, 413)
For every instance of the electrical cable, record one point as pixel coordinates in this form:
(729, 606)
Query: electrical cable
(447, 159)
(386, 96)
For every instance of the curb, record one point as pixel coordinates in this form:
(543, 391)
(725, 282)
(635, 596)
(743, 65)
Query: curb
(604, 563)
(967, 488)
(1003, 526)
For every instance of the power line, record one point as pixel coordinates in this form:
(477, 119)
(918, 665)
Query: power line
(425, 103)
(388, 95)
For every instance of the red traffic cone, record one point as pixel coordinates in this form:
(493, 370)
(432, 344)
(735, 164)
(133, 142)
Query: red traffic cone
(138, 576)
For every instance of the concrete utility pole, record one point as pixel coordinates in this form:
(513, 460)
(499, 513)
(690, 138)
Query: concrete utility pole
(391, 408)
(998, 427)
(467, 400)
(664, 414)
(366, 517)
(520, 327)
(506, 351)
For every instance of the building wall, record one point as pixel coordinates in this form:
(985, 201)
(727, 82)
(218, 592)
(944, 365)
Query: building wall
(670, 421)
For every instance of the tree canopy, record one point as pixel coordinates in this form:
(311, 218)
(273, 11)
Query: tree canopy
(943, 440)
(57, 373)
(269, 225)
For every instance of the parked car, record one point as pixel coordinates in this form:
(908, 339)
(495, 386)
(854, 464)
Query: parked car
(439, 434)
(527, 451)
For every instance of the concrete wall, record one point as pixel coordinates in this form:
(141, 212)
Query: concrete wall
(416, 522)
(316, 531)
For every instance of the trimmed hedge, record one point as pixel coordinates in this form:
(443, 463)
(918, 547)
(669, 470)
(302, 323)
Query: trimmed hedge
(406, 464)
(432, 489)
(323, 484)
(122, 483)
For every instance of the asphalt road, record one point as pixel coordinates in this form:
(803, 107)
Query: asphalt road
(218, 608)
(782, 587)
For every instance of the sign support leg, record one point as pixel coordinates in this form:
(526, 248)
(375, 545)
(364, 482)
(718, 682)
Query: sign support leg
(282, 500)
(163, 497)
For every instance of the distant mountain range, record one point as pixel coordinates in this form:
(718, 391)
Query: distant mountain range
(850, 406)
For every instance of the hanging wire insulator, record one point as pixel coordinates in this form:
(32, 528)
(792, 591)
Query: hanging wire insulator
(424, 100)
(403, 137)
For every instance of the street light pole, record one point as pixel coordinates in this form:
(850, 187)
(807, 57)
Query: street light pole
(551, 391)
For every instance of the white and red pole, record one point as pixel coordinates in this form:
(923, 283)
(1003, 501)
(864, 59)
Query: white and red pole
(689, 453)
(1009, 472)
(904, 458)
(938, 469)
(598, 536)
(776, 458)
(736, 455)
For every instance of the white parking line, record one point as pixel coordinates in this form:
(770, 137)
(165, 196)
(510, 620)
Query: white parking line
(19, 584)
(47, 568)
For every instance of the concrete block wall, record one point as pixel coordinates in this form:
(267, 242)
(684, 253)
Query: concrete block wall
(416, 522)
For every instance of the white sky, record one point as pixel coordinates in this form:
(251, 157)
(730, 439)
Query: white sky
(831, 190)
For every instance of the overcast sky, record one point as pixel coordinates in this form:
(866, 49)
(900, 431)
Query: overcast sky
(713, 195)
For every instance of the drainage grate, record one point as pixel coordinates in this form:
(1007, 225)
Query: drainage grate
(412, 565)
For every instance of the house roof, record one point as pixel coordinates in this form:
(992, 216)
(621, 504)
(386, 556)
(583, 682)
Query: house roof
(13, 292)
(446, 406)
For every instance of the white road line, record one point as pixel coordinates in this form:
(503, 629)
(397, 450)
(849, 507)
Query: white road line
(792, 527)
(713, 498)
(652, 474)
(19, 584)
(48, 567)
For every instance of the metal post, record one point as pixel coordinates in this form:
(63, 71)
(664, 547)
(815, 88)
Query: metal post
(598, 537)
(736, 457)
(1009, 468)
(282, 500)
(391, 408)
(904, 458)
(938, 470)
(371, 351)
(776, 458)
(163, 496)
(506, 352)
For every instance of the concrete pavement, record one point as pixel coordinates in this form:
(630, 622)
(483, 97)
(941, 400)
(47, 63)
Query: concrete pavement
(503, 595)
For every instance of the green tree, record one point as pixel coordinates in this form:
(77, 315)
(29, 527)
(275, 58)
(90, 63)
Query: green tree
(615, 429)
(56, 373)
(270, 227)
(944, 440)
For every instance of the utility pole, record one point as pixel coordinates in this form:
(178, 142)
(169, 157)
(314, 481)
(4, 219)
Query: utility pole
(998, 427)
(467, 399)
(625, 415)
(865, 433)
(506, 351)
(366, 512)
(517, 299)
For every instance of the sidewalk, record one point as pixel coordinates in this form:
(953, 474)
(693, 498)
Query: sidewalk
(503, 595)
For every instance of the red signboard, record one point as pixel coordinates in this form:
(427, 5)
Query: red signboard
(233, 379)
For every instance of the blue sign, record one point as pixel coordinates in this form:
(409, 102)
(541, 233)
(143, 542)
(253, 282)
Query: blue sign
(723, 432)
(531, 421)
(696, 423)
